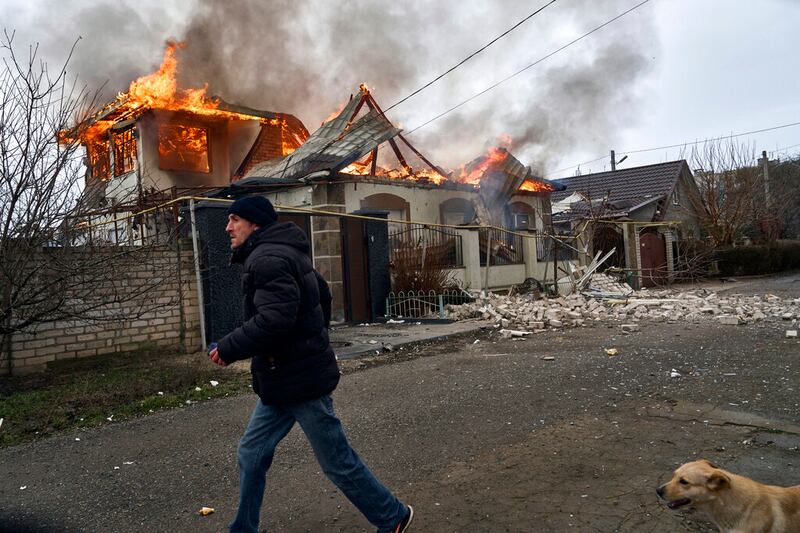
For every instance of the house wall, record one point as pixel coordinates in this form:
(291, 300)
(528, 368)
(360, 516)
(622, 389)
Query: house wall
(173, 326)
(684, 211)
(242, 134)
(218, 157)
(425, 201)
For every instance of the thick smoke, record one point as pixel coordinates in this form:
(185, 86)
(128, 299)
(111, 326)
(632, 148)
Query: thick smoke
(306, 57)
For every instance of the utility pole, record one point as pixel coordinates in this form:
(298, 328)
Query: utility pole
(613, 161)
(765, 168)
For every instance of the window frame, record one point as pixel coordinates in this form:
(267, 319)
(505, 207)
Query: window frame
(177, 167)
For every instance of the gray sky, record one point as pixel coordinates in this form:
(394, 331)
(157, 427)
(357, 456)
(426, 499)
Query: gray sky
(672, 71)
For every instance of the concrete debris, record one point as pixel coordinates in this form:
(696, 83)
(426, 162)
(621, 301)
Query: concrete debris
(527, 313)
(790, 333)
(602, 284)
(514, 333)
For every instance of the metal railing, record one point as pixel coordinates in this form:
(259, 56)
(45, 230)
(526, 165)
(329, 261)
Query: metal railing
(544, 250)
(505, 247)
(436, 246)
(421, 304)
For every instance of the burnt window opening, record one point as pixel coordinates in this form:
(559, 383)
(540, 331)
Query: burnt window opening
(521, 221)
(124, 152)
(183, 148)
(100, 159)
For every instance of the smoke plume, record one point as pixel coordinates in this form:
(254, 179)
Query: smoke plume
(306, 57)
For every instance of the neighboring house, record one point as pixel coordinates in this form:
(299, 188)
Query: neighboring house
(644, 212)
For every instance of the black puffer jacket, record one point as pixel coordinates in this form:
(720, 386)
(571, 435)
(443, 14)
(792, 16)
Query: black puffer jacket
(284, 329)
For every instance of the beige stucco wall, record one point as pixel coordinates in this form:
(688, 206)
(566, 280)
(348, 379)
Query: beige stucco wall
(425, 201)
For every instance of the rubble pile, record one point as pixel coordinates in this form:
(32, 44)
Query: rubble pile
(602, 283)
(528, 314)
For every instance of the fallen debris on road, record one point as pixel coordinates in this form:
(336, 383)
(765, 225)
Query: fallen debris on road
(525, 313)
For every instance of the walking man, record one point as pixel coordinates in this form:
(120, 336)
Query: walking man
(293, 366)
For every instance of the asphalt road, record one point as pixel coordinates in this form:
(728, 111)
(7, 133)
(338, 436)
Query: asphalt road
(478, 436)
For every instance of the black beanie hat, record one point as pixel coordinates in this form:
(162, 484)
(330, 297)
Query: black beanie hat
(256, 209)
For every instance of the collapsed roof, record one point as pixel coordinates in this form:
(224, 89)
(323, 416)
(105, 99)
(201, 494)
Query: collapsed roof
(335, 145)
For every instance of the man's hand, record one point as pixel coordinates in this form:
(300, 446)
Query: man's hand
(214, 356)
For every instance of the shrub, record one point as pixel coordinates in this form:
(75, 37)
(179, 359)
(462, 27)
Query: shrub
(758, 259)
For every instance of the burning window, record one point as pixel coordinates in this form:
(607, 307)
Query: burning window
(99, 159)
(124, 152)
(183, 148)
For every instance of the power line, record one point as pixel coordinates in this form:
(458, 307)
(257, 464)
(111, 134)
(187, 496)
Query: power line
(437, 117)
(473, 54)
(289, 165)
(680, 145)
(785, 149)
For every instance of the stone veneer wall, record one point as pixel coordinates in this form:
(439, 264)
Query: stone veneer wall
(171, 324)
(326, 238)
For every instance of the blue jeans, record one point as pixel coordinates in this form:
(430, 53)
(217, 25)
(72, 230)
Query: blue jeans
(269, 424)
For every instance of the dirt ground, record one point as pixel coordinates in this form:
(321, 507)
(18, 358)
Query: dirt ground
(477, 432)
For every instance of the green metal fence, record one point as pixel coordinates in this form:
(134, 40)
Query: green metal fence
(421, 304)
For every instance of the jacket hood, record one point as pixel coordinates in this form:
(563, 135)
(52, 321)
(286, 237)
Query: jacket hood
(285, 233)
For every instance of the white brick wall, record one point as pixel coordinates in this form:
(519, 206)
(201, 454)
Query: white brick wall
(156, 329)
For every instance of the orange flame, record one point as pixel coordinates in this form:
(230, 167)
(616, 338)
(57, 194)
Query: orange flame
(364, 168)
(183, 148)
(335, 114)
(536, 186)
(493, 158)
(160, 89)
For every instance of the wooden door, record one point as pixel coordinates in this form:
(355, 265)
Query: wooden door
(654, 259)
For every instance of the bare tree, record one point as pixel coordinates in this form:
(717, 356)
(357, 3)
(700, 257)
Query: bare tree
(43, 277)
(728, 183)
(779, 213)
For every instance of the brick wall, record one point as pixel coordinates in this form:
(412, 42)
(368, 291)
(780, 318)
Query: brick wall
(168, 317)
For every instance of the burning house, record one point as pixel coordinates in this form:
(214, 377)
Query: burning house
(338, 170)
(157, 138)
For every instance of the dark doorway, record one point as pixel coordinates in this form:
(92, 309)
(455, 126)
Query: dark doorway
(605, 238)
(654, 259)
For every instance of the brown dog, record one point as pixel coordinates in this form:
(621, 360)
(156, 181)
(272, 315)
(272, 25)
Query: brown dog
(735, 504)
